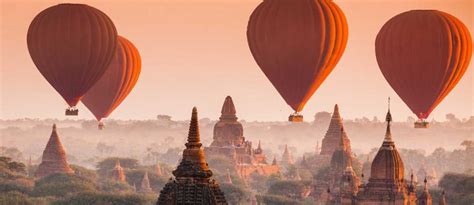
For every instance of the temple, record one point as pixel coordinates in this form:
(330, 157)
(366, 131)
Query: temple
(386, 183)
(118, 174)
(229, 141)
(193, 183)
(341, 180)
(145, 185)
(331, 140)
(54, 158)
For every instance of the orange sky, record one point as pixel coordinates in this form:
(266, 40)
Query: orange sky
(195, 52)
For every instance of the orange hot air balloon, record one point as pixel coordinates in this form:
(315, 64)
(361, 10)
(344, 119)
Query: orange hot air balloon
(72, 45)
(297, 44)
(117, 82)
(423, 54)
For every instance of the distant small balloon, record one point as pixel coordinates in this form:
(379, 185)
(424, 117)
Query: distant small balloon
(72, 45)
(118, 81)
(423, 54)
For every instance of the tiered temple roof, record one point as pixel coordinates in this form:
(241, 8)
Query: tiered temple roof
(386, 183)
(228, 141)
(54, 157)
(192, 183)
(331, 140)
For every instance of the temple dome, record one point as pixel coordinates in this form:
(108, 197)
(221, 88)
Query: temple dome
(387, 164)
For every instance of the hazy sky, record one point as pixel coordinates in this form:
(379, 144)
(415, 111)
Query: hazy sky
(195, 52)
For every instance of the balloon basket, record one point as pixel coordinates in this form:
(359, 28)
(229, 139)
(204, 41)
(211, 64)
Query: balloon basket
(72, 112)
(295, 117)
(422, 124)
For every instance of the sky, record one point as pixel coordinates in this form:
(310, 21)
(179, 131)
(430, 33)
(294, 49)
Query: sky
(195, 53)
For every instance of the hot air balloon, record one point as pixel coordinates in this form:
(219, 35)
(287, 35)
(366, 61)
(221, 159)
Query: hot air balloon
(117, 82)
(72, 45)
(423, 54)
(297, 44)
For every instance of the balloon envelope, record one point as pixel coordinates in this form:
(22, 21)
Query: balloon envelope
(71, 45)
(297, 44)
(117, 82)
(423, 54)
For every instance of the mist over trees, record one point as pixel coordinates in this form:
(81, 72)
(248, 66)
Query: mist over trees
(444, 150)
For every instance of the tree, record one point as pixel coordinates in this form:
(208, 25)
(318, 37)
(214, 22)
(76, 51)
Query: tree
(11, 152)
(84, 172)
(10, 169)
(113, 186)
(290, 189)
(234, 194)
(276, 200)
(106, 165)
(62, 184)
(105, 199)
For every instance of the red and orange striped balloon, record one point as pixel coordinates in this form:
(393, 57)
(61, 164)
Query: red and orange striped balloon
(117, 82)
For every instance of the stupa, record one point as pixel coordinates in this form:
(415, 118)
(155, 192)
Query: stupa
(54, 157)
(193, 183)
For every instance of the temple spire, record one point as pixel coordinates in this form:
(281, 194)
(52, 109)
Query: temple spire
(274, 162)
(145, 185)
(193, 134)
(388, 118)
(228, 110)
(228, 178)
(118, 172)
(193, 163)
(442, 199)
(158, 170)
(54, 158)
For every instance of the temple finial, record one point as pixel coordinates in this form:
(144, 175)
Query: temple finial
(54, 127)
(193, 135)
(228, 111)
(388, 118)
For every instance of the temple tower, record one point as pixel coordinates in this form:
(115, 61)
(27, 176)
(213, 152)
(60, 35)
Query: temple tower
(387, 185)
(193, 183)
(331, 140)
(228, 131)
(158, 170)
(425, 197)
(145, 185)
(54, 157)
(118, 172)
(286, 158)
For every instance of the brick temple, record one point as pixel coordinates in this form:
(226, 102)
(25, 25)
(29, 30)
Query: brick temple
(229, 141)
(192, 183)
(54, 158)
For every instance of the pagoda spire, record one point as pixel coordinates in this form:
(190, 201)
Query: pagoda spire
(158, 170)
(193, 163)
(331, 139)
(228, 111)
(118, 173)
(228, 178)
(388, 118)
(286, 157)
(145, 184)
(274, 162)
(54, 157)
(442, 199)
